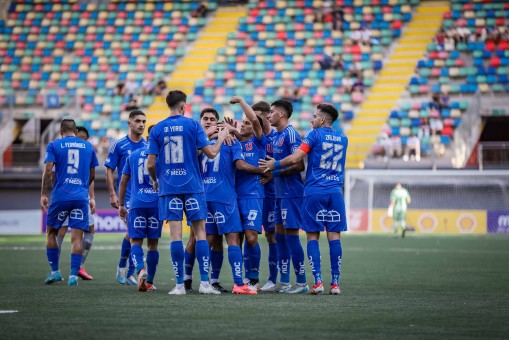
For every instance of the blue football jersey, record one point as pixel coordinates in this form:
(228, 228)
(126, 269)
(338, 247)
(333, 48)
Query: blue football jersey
(219, 173)
(248, 185)
(326, 161)
(285, 143)
(143, 194)
(73, 158)
(270, 190)
(176, 141)
(117, 157)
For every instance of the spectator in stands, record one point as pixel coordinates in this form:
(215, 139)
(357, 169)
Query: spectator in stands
(439, 101)
(449, 44)
(337, 62)
(321, 14)
(326, 63)
(356, 37)
(337, 18)
(120, 89)
(347, 83)
(160, 87)
(132, 105)
(413, 149)
(355, 69)
(147, 88)
(358, 85)
(424, 129)
(201, 11)
(440, 38)
(292, 94)
(366, 36)
(463, 33)
(436, 126)
(131, 89)
(484, 33)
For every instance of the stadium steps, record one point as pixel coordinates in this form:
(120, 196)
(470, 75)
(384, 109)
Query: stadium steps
(199, 58)
(392, 81)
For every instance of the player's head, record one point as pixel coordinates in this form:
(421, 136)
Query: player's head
(208, 117)
(176, 101)
(246, 129)
(137, 121)
(67, 126)
(325, 115)
(82, 133)
(262, 109)
(281, 109)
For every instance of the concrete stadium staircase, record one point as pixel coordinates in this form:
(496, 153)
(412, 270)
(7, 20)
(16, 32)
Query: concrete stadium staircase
(392, 80)
(199, 57)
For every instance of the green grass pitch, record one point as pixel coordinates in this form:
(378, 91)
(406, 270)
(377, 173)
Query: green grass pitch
(418, 287)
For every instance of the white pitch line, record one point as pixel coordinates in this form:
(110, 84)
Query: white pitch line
(8, 311)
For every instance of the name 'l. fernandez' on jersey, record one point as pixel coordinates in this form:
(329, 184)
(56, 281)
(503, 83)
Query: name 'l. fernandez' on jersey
(176, 140)
(219, 173)
(143, 193)
(326, 149)
(285, 143)
(73, 158)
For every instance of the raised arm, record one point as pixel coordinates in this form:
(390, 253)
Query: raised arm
(250, 115)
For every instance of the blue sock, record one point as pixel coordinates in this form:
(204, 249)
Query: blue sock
(336, 255)
(203, 256)
(216, 261)
(314, 260)
(273, 262)
(131, 267)
(75, 264)
(124, 253)
(152, 262)
(297, 257)
(52, 254)
(235, 259)
(255, 255)
(283, 260)
(245, 257)
(60, 240)
(189, 263)
(177, 260)
(137, 257)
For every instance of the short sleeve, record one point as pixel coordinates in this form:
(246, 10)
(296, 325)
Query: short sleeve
(50, 153)
(94, 162)
(153, 145)
(113, 157)
(293, 140)
(201, 137)
(310, 139)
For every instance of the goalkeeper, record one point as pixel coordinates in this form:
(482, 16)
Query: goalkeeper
(400, 199)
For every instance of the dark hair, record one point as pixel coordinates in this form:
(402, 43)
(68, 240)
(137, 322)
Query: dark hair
(261, 106)
(83, 129)
(330, 110)
(68, 125)
(285, 105)
(174, 98)
(211, 110)
(150, 128)
(136, 112)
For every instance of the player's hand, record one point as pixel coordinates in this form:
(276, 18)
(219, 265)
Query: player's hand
(155, 185)
(266, 177)
(235, 100)
(211, 130)
(222, 135)
(114, 201)
(92, 205)
(230, 139)
(267, 164)
(44, 202)
(122, 213)
(230, 122)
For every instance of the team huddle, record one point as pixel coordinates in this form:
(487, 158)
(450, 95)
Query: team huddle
(228, 180)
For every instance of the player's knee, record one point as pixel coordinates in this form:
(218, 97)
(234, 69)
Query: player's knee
(270, 237)
(251, 239)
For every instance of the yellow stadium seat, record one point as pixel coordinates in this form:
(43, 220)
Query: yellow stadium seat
(168, 6)
(66, 15)
(130, 7)
(267, 19)
(262, 35)
(157, 22)
(58, 52)
(241, 67)
(280, 27)
(47, 67)
(83, 67)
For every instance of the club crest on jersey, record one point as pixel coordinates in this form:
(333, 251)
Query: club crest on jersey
(280, 141)
(249, 146)
(269, 148)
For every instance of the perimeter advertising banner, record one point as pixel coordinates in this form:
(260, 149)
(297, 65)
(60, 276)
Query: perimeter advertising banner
(435, 221)
(20, 222)
(498, 222)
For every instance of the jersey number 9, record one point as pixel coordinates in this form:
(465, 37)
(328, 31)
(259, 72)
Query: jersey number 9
(73, 161)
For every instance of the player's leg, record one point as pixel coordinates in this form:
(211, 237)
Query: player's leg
(177, 256)
(269, 228)
(52, 255)
(246, 255)
(254, 257)
(76, 253)
(313, 250)
(189, 258)
(235, 260)
(403, 223)
(139, 263)
(216, 261)
(396, 221)
(313, 223)
(152, 259)
(283, 251)
(131, 268)
(336, 255)
(292, 226)
(61, 235)
(125, 250)
(88, 239)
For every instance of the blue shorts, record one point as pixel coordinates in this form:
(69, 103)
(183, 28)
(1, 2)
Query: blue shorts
(287, 211)
(268, 215)
(77, 211)
(144, 223)
(222, 219)
(172, 207)
(251, 213)
(324, 211)
(91, 218)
